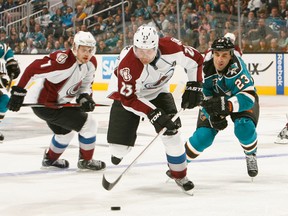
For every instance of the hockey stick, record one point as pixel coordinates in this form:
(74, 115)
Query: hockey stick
(54, 105)
(10, 83)
(109, 185)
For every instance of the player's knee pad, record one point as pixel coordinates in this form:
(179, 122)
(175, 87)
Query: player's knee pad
(118, 150)
(245, 130)
(4, 99)
(202, 138)
(174, 145)
(64, 139)
(89, 129)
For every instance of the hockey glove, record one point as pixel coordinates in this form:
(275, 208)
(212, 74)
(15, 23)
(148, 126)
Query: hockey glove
(17, 97)
(192, 95)
(217, 106)
(218, 122)
(13, 69)
(160, 120)
(86, 102)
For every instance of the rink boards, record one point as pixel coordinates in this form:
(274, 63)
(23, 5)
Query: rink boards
(266, 69)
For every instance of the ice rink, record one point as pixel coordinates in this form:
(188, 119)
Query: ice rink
(222, 185)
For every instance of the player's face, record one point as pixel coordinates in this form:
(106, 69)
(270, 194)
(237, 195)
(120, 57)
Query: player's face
(221, 59)
(84, 54)
(145, 55)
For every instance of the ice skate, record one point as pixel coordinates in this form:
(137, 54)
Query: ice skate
(282, 137)
(252, 167)
(185, 184)
(59, 163)
(91, 164)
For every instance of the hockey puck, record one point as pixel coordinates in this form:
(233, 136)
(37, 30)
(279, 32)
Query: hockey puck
(115, 208)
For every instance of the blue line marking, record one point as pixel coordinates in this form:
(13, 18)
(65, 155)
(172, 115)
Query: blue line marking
(49, 171)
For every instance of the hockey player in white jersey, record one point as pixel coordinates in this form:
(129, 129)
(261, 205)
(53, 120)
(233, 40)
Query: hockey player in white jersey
(66, 75)
(141, 89)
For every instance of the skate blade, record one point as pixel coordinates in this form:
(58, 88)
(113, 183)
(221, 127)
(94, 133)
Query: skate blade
(190, 192)
(281, 141)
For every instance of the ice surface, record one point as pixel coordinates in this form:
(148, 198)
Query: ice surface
(222, 185)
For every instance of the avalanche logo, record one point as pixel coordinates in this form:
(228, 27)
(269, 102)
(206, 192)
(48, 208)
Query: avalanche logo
(61, 58)
(72, 91)
(125, 73)
(161, 81)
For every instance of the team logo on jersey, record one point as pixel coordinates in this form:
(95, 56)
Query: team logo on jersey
(125, 73)
(161, 81)
(72, 91)
(61, 58)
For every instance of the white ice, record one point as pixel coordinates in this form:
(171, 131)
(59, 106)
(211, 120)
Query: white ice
(222, 185)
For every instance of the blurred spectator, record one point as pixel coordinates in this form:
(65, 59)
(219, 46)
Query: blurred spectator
(102, 48)
(262, 46)
(23, 34)
(274, 46)
(45, 22)
(79, 16)
(56, 20)
(67, 21)
(48, 48)
(30, 48)
(163, 21)
(9, 4)
(37, 37)
(118, 47)
(246, 46)
(260, 32)
(283, 8)
(38, 5)
(3, 36)
(283, 39)
(13, 40)
(127, 14)
(64, 7)
(250, 22)
(274, 21)
(139, 11)
(203, 45)
(89, 7)
(96, 29)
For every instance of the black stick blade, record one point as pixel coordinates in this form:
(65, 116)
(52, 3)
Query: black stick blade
(109, 185)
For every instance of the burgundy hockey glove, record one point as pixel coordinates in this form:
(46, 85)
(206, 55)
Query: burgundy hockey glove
(160, 120)
(86, 102)
(17, 97)
(192, 95)
(217, 106)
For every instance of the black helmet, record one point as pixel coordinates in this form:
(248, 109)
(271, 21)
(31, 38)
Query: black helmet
(222, 44)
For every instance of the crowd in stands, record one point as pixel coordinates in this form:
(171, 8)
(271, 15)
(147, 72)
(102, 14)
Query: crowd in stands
(263, 24)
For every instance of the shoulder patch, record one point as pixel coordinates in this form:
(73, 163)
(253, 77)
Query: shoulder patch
(61, 57)
(125, 73)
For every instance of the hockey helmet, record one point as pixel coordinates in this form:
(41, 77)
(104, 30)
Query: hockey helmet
(231, 36)
(222, 44)
(146, 37)
(84, 39)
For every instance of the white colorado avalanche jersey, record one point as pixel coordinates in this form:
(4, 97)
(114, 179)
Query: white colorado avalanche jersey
(135, 84)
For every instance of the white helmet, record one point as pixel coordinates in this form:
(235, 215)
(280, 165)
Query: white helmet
(84, 39)
(146, 37)
(231, 36)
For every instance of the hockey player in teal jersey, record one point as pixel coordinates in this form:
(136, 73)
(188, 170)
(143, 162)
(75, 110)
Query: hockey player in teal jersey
(8, 67)
(228, 90)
